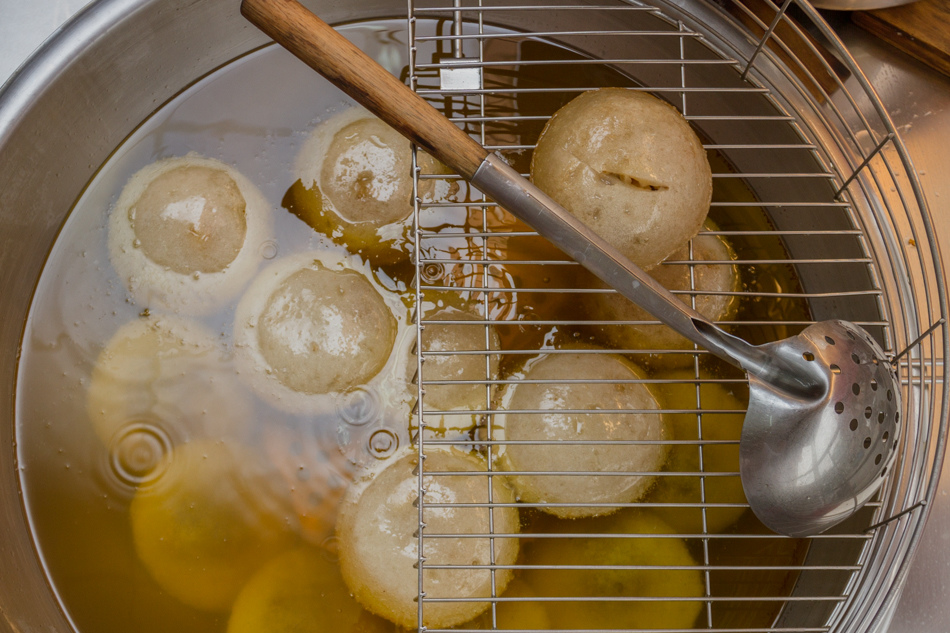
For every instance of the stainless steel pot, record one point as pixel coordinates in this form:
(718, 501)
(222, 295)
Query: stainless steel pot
(82, 95)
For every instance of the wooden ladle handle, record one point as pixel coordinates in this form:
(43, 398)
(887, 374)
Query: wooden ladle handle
(315, 42)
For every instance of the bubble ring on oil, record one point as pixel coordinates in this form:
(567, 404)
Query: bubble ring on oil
(138, 455)
(433, 273)
(269, 249)
(359, 405)
(330, 548)
(382, 443)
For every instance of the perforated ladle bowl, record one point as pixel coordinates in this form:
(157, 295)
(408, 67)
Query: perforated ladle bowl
(821, 427)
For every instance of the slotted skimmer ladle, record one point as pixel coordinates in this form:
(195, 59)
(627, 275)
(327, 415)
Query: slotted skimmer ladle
(821, 427)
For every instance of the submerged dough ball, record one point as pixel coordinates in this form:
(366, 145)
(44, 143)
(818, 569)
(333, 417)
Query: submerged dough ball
(185, 233)
(549, 418)
(715, 285)
(300, 591)
(379, 549)
(169, 376)
(316, 324)
(628, 166)
(354, 184)
(655, 584)
(439, 341)
(208, 523)
(680, 393)
(315, 475)
(521, 610)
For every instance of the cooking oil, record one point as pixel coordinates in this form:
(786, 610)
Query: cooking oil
(254, 114)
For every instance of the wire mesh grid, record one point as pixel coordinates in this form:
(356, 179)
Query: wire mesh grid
(819, 206)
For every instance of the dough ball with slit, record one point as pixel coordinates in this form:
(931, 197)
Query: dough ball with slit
(630, 167)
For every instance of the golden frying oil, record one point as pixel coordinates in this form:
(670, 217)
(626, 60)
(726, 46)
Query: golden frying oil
(78, 490)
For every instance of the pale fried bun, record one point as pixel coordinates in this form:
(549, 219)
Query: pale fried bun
(720, 413)
(300, 591)
(318, 324)
(168, 375)
(208, 523)
(447, 349)
(630, 167)
(713, 285)
(553, 410)
(185, 234)
(354, 184)
(378, 542)
(627, 578)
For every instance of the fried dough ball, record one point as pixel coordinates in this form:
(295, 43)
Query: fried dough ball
(379, 550)
(165, 375)
(354, 184)
(707, 280)
(608, 583)
(525, 615)
(717, 458)
(439, 338)
(318, 324)
(553, 420)
(208, 523)
(300, 591)
(628, 166)
(185, 233)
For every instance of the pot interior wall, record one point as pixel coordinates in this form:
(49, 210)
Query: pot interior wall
(61, 117)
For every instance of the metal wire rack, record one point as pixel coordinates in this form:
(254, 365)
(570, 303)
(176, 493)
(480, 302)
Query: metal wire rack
(817, 197)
